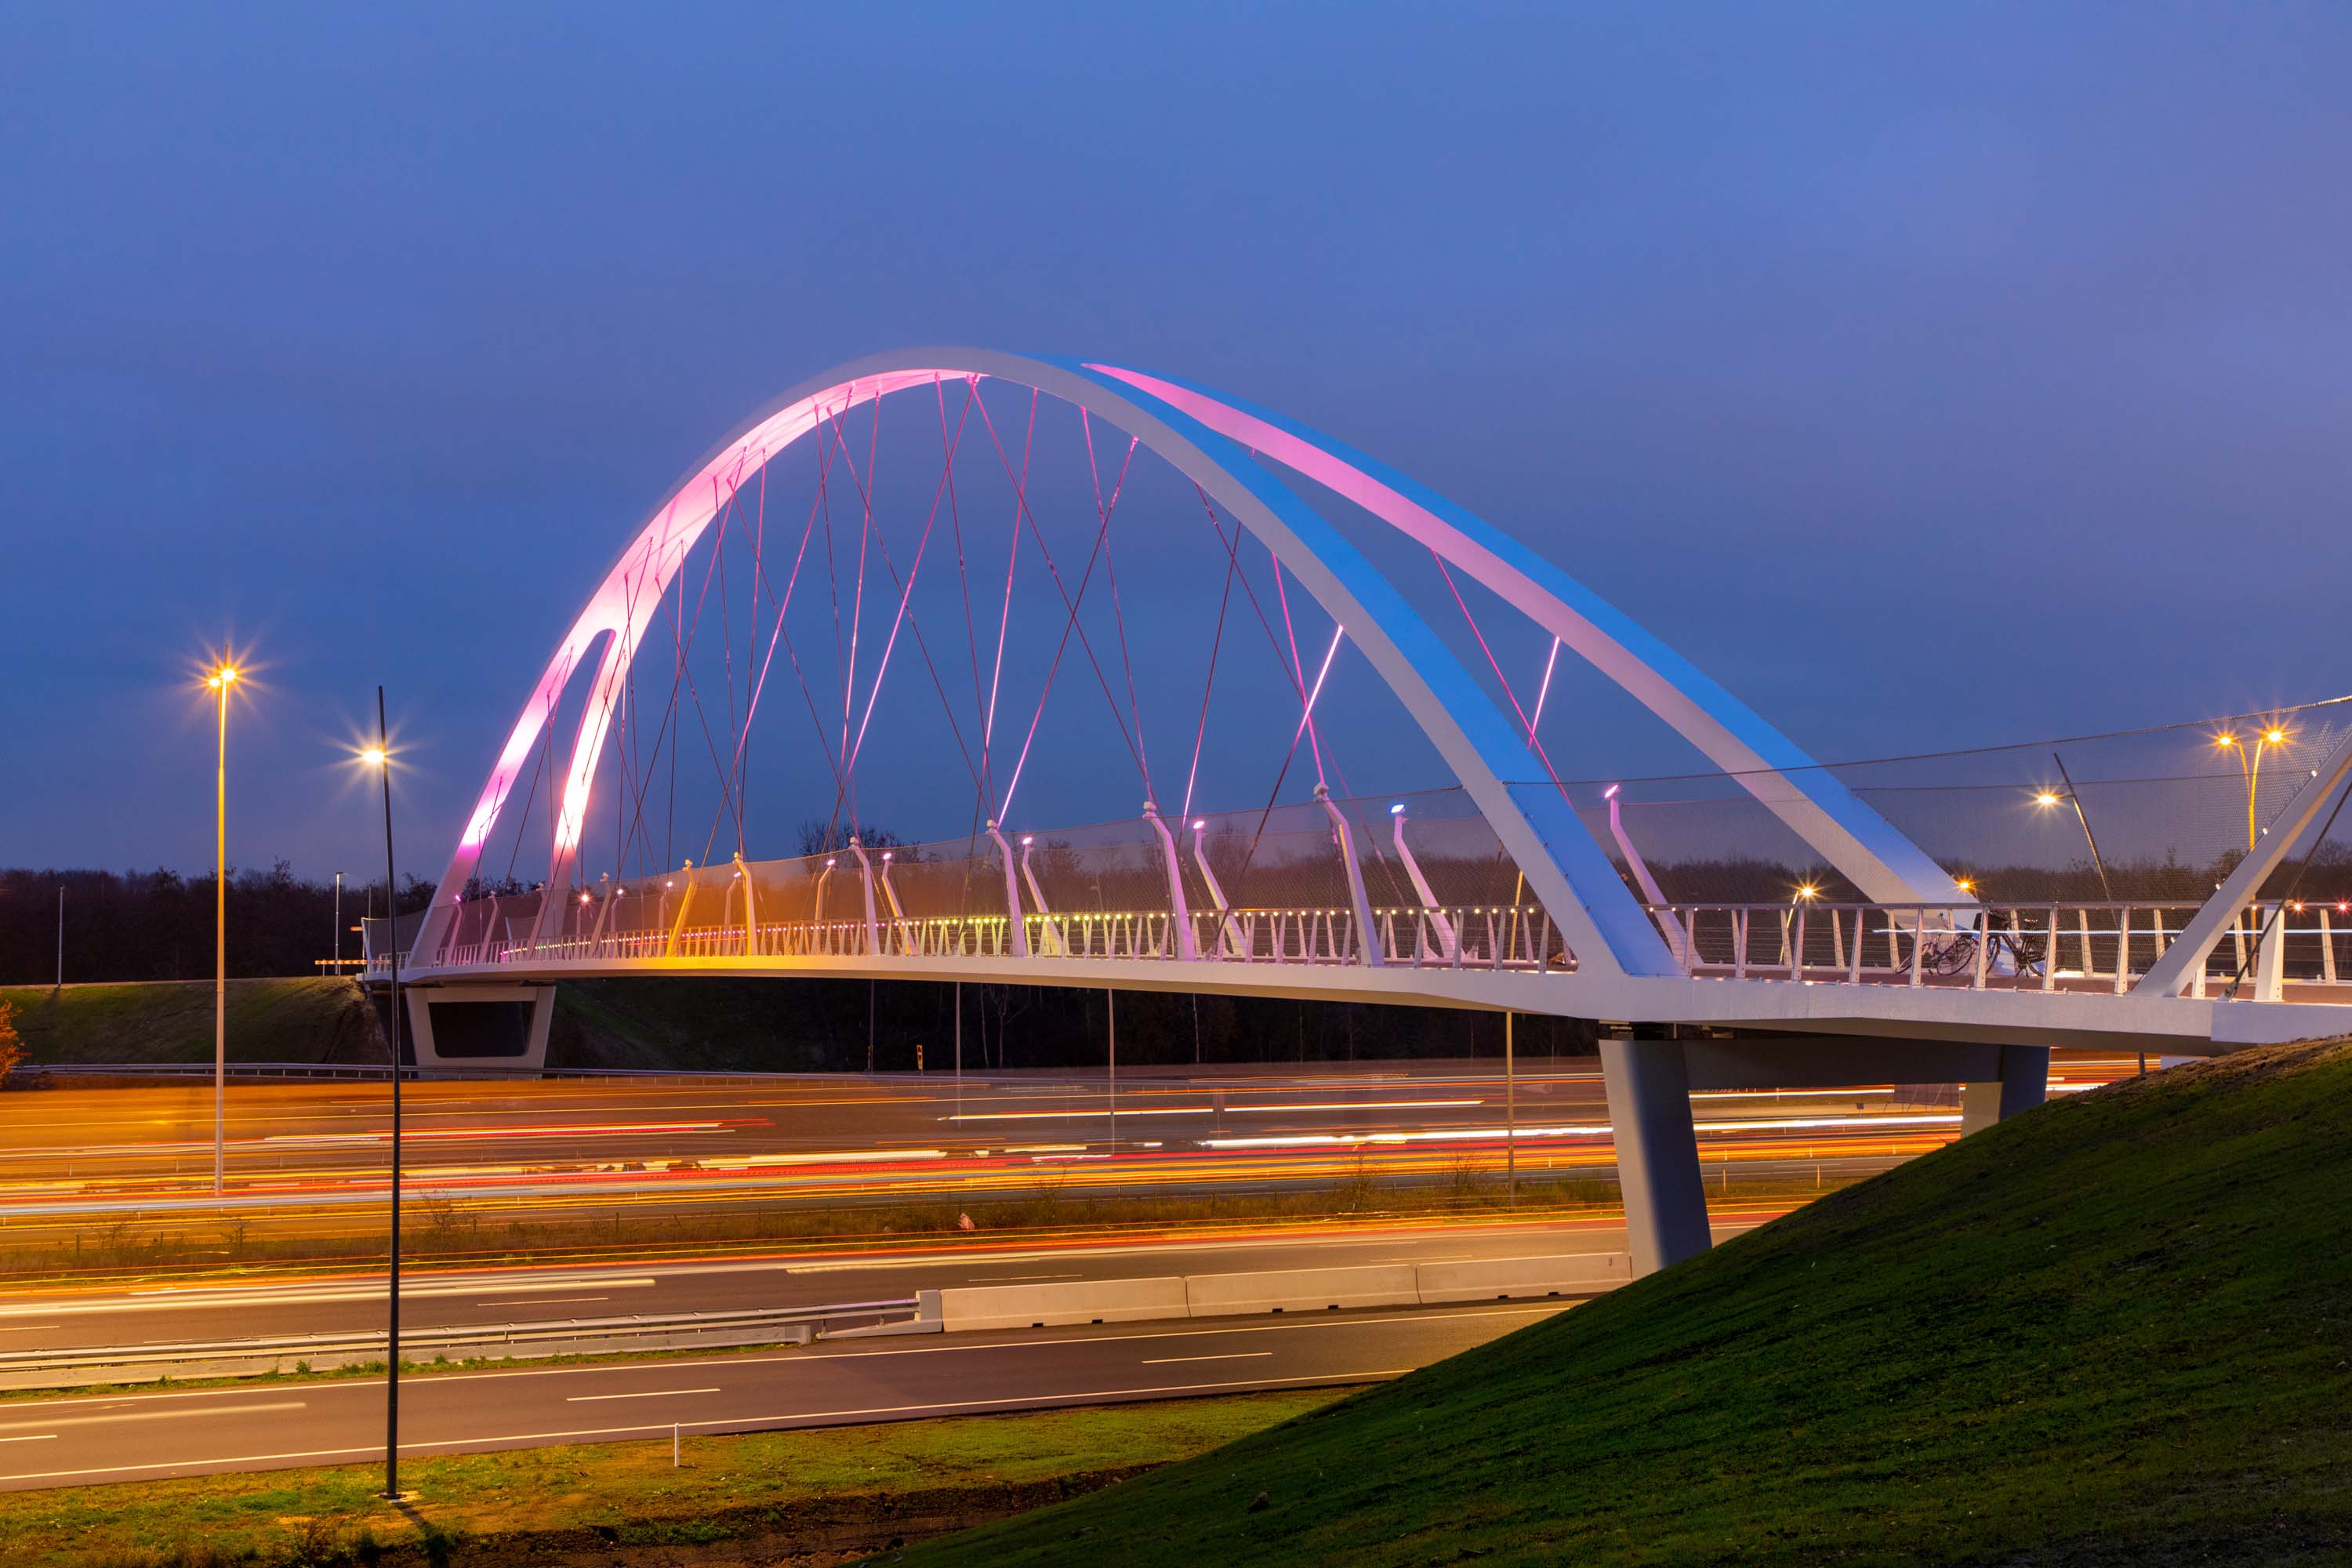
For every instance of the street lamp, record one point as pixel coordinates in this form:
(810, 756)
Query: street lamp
(378, 757)
(2250, 769)
(222, 677)
(2048, 798)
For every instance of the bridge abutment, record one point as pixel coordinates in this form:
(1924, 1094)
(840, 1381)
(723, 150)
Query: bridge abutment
(476, 1031)
(2022, 1083)
(1648, 1083)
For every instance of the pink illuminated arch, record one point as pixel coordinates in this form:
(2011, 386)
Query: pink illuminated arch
(1202, 434)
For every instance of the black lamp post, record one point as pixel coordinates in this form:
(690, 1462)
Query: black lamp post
(381, 756)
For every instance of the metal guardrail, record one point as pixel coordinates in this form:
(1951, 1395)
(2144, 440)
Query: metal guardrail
(204, 1070)
(157, 1360)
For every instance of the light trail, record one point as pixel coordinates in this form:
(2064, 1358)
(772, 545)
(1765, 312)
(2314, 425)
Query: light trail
(1213, 1110)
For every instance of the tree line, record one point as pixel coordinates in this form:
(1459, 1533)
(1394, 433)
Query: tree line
(158, 925)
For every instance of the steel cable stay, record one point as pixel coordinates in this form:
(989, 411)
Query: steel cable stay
(947, 448)
(1070, 624)
(912, 623)
(1011, 562)
(1053, 570)
(1216, 641)
(1110, 574)
(900, 619)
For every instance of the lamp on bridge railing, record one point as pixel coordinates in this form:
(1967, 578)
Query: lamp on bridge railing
(1806, 891)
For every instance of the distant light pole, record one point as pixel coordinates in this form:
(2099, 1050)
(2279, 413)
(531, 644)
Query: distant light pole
(339, 923)
(220, 680)
(61, 933)
(2250, 769)
(378, 757)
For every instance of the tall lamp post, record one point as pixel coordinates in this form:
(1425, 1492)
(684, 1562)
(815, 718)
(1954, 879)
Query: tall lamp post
(2047, 798)
(378, 757)
(2250, 769)
(218, 682)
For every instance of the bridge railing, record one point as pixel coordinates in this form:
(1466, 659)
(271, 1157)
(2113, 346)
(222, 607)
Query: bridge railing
(2102, 946)
(1490, 937)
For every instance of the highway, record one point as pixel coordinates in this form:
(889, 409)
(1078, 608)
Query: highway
(308, 1158)
(80, 1440)
(145, 1314)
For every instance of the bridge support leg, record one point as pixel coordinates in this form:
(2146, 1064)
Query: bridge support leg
(2023, 1083)
(478, 1031)
(1657, 1151)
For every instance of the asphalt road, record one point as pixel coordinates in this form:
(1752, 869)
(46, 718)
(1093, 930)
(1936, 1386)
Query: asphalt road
(315, 1154)
(81, 1440)
(149, 1314)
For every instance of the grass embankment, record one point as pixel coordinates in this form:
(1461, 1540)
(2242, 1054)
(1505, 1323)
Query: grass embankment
(808, 1496)
(297, 1020)
(2118, 1329)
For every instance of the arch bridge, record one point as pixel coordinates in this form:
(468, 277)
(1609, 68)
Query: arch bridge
(1757, 919)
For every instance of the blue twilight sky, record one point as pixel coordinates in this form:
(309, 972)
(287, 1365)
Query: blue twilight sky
(1931, 375)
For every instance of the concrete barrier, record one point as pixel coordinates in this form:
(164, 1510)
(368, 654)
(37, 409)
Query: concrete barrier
(1503, 1278)
(1086, 1301)
(1076, 1301)
(1302, 1291)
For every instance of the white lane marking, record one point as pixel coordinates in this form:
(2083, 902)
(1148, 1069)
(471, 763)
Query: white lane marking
(541, 1302)
(26, 1327)
(747, 1422)
(649, 1393)
(47, 1420)
(369, 1385)
(1232, 1356)
(32, 1437)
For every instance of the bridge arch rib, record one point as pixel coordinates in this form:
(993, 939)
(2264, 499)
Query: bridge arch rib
(1202, 434)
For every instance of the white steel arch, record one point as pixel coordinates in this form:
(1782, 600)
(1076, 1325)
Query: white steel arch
(1196, 431)
(1857, 840)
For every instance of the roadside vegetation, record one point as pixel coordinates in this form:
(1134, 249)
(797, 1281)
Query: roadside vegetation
(2114, 1330)
(313, 1020)
(766, 1496)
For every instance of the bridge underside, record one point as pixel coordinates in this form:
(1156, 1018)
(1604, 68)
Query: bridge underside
(1889, 1014)
(1725, 1035)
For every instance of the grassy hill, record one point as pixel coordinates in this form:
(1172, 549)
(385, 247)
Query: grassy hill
(2116, 1330)
(303, 1020)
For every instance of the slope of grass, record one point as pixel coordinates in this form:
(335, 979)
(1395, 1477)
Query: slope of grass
(294, 1020)
(2116, 1330)
(761, 1494)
